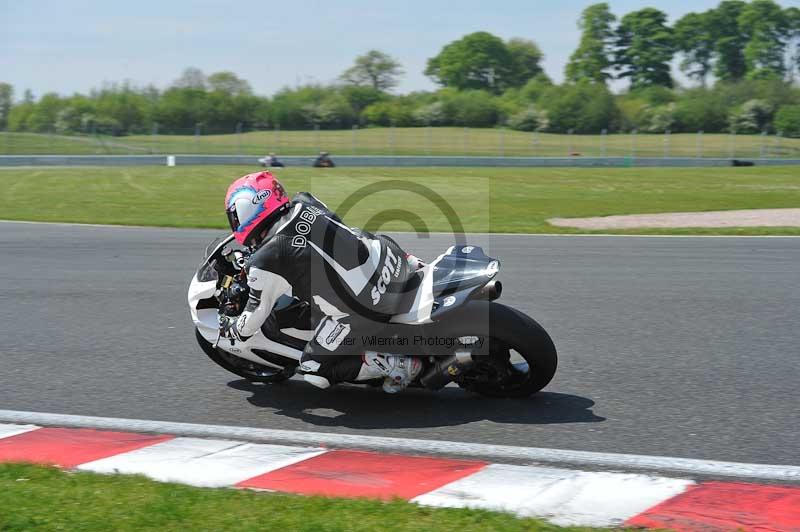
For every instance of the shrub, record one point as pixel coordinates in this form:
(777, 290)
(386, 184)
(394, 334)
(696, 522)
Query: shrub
(583, 107)
(700, 110)
(752, 117)
(529, 119)
(787, 120)
(473, 108)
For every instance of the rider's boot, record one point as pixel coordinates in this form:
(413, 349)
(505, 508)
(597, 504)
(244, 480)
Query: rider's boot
(398, 371)
(317, 380)
(310, 367)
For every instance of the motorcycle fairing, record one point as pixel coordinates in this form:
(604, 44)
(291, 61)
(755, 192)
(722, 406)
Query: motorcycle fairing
(449, 281)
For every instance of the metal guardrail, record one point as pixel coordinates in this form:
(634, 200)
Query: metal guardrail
(400, 161)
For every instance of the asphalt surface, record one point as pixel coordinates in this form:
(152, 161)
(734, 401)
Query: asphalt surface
(683, 347)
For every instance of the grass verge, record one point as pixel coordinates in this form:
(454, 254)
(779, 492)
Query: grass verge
(411, 141)
(43, 498)
(515, 200)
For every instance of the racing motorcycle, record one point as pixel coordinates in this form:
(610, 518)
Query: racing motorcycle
(449, 318)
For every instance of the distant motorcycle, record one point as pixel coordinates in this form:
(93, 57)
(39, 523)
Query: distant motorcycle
(449, 319)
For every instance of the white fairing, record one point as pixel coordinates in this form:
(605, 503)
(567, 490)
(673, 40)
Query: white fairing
(206, 321)
(423, 303)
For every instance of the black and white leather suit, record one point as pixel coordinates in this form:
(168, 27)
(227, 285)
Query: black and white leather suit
(353, 280)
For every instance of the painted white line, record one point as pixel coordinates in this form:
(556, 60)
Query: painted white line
(205, 463)
(562, 496)
(523, 235)
(498, 453)
(106, 226)
(6, 431)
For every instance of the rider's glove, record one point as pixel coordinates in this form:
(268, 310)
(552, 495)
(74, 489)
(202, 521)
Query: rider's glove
(228, 329)
(414, 263)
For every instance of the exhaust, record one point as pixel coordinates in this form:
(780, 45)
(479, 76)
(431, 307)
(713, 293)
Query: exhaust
(446, 370)
(491, 291)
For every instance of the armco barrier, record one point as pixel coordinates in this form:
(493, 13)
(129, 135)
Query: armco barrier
(378, 160)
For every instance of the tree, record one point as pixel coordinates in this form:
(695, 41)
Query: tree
(753, 117)
(694, 37)
(591, 60)
(767, 28)
(787, 120)
(700, 109)
(376, 69)
(584, 107)
(181, 108)
(6, 100)
(793, 19)
(45, 113)
(729, 41)
(360, 98)
(525, 59)
(389, 113)
(479, 60)
(644, 48)
(471, 108)
(529, 119)
(432, 114)
(191, 78)
(535, 87)
(228, 83)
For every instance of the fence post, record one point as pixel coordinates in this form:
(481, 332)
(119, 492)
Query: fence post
(763, 139)
(633, 143)
(316, 137)
(732, 144)
(354, 140)
(501, 141)
(699, 144)
(239, 139)
(666, 143)
(93, 136)
(276, 138)
(569, 142)
(197, 138)
(779, 138)
(603, 138)
(154, 135)
(465, 141)
(428, 139)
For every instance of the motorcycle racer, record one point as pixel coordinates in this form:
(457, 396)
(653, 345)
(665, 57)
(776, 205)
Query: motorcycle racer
(353, 280)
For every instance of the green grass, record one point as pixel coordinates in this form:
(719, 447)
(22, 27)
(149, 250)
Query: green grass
(517, 200)
(41, 498)
(410, 141)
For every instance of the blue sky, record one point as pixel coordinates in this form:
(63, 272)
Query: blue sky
(74, 45)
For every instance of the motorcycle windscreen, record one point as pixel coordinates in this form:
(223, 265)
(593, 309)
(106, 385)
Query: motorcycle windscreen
(206, 271)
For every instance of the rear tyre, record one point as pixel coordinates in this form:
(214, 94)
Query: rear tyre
(252, 371)
(522, 358)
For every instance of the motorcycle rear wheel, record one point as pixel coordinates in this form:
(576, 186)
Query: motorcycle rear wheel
(252, 371)
(521, 349)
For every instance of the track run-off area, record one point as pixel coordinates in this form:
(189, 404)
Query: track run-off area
(669, 346)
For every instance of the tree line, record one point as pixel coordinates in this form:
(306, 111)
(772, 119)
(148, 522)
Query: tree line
(743, 59)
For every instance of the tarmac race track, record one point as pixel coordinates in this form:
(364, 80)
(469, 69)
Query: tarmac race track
(683, 347)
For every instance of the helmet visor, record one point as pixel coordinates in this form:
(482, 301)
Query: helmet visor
(233, 217)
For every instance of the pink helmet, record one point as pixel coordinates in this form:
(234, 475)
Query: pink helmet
(250, 201)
